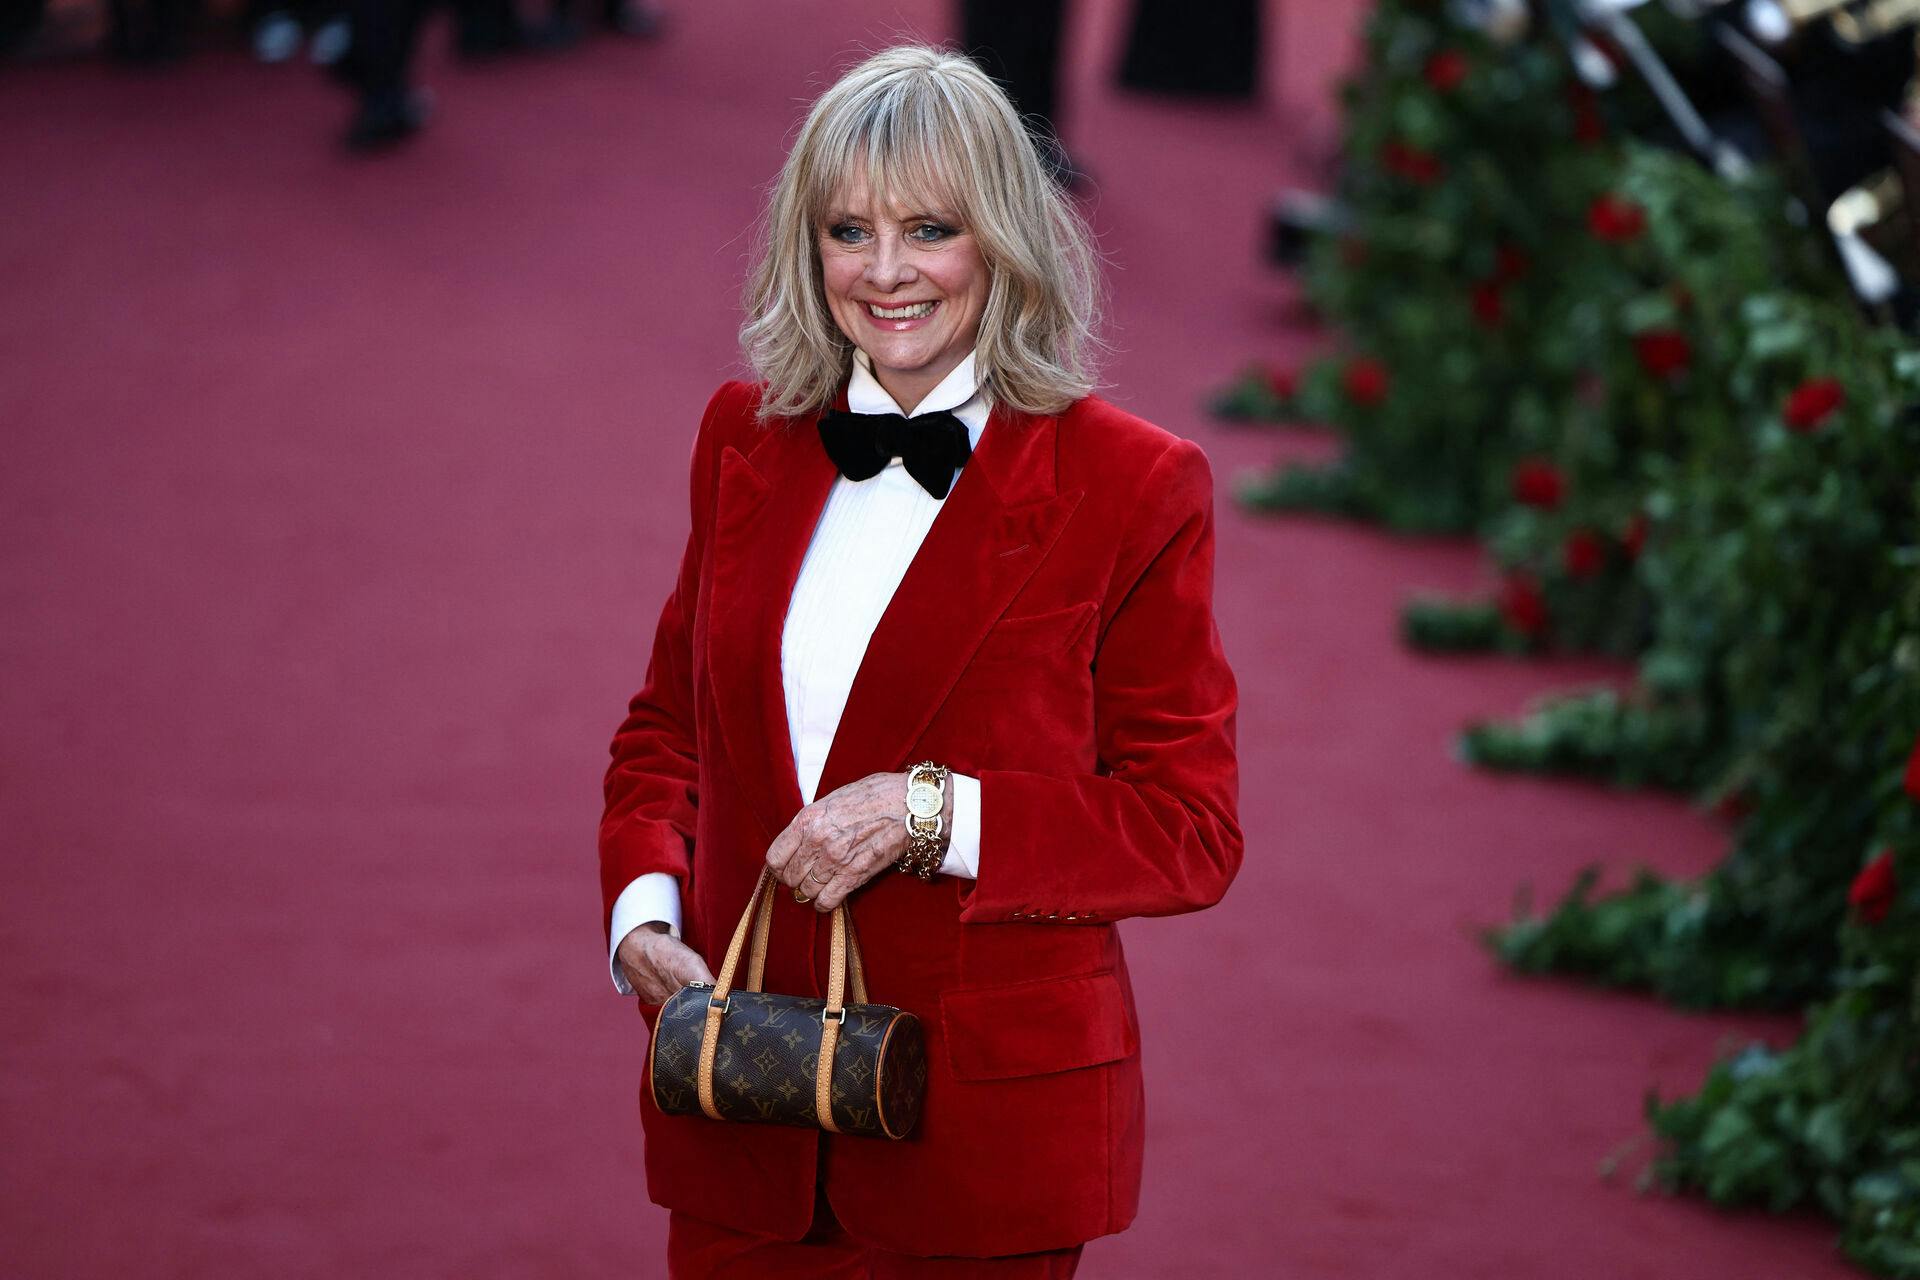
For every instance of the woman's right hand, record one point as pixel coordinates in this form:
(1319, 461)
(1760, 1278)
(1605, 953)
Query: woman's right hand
(657, 964)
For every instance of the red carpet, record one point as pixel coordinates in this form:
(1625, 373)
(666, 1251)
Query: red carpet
(338, 501)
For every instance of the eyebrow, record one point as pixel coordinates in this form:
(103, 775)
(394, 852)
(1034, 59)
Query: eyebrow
(834, 216)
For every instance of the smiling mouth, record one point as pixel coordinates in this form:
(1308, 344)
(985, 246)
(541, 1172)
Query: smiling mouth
(912, 311)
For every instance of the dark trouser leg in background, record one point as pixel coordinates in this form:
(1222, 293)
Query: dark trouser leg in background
(144, 30)
(485, 27)
(385, 35)
(1209, 50)
(1018, 42)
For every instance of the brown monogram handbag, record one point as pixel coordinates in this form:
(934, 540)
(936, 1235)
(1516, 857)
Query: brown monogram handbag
(735, 1052)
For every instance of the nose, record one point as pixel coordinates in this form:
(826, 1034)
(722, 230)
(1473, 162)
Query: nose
(888, 267)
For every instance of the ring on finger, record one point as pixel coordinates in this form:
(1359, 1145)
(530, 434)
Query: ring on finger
(823, 879)
(801, 897)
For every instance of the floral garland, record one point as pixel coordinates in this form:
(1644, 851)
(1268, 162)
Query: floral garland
(1643, 386)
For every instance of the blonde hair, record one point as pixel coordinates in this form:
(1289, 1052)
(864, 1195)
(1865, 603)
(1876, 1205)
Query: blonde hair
(924, 123)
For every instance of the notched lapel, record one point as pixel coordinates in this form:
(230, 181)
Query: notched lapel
(997, 527)
(761, 530)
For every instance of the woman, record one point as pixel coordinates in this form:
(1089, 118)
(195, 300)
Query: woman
(1021, 603)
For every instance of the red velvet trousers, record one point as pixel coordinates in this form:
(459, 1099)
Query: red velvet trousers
(699, 1250)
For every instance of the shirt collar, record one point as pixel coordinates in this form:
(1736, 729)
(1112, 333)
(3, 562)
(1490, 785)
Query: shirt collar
(959, 392)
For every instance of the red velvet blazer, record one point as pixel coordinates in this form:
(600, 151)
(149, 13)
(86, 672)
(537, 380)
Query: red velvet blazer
(1054, 637)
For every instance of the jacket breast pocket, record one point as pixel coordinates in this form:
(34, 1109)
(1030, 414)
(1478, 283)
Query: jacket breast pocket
(1036, 636)
(1037, 1028)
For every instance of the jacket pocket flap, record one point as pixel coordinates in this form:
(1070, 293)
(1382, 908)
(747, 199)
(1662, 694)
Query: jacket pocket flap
(1035, 1028)
(1038, 633)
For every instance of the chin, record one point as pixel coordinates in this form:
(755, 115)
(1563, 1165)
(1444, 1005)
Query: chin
(902, 361)
(908, 364)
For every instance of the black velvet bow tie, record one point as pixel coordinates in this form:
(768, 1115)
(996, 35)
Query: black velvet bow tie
(931, 445)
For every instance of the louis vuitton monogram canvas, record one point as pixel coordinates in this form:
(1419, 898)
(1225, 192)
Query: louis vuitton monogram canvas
(764, 1067)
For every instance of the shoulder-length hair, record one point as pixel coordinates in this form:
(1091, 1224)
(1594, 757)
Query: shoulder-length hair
(920, 124)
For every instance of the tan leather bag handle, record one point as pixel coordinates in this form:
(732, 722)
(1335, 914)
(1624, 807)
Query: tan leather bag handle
(750, 941)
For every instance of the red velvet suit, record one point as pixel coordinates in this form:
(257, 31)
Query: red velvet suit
(1054, 638)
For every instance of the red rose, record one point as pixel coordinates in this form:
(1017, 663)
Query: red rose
(1522, 605)
(1489, 306)
(1365, 381)
(1663, 353)
(1812, 403)
(1615, 219)
(1510, 262)
(1584, 553)
(1445, 70)
(1633, 539)
(1874, 889)
(1912, 781)
(1421, 168)
(1538, 483)
(1282, 383)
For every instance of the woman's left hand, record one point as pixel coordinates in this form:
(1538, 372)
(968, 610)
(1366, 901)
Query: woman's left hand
(842, 840)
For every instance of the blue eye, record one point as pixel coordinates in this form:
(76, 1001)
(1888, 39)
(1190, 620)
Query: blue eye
(846, 233)
(931, 233)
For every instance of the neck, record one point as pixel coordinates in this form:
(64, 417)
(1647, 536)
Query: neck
(908, 387)
(908, 390)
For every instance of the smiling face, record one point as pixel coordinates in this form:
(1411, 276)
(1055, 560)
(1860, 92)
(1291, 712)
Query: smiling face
(906, 283)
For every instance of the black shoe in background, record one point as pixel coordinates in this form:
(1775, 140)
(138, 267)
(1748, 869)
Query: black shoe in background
(636, 18)
(387, 118)
(557, 32)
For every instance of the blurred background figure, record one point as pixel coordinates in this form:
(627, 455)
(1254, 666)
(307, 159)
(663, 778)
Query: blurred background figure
(19, 20)
(1210, 50)
(1017, 42)
(568, 20)
(386, 34)
(1202, 50)
(278, 28)
(145, 31)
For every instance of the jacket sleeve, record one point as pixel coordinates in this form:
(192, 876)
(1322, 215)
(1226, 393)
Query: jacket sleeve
(1155, 829)
(652, 786)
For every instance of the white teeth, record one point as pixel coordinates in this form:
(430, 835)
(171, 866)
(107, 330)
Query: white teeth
(913, 312)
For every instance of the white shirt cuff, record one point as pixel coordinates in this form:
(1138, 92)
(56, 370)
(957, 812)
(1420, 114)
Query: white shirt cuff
(963, 846)
(653, 896)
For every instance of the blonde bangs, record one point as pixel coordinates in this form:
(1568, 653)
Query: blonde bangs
(924, 130)
(893, 153)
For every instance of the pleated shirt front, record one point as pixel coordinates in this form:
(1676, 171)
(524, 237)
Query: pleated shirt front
(867, 535)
